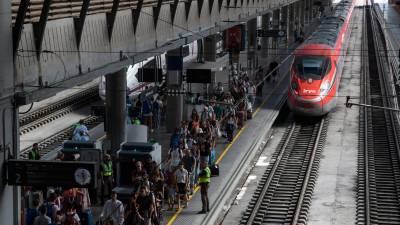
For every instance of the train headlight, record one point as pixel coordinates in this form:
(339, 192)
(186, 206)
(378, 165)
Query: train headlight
(323, 91)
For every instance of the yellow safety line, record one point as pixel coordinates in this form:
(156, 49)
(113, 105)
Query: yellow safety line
(176, 214)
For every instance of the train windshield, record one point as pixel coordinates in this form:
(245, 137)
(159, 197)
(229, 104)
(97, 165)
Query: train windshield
(314, 67)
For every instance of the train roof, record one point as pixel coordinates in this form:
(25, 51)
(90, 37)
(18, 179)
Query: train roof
(327, 32)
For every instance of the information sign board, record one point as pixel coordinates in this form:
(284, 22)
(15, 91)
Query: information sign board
(51, 173)
(271, 33)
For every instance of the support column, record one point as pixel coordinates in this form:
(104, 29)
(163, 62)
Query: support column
(9, 131)
(116, 109)
(200, 51)
(284, 21)
(276, 23)
(312, 14)
(251, 43)
(302, 12)
(174, 81)
(265, 19)
(210, 48)
(291, 22)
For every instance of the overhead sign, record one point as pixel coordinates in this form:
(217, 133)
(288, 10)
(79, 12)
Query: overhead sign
(271, 33)
(235, 37)
(51, 173)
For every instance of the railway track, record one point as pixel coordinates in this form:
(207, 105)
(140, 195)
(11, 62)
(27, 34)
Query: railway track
(57, 110)
(378, 186)
(284, 192)
(53, 142)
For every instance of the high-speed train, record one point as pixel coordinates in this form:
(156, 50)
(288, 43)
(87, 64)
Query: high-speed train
(318, 63)
(134, 87)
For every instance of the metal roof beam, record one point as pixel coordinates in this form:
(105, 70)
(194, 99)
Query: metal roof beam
(188, 4)
(220, 5)
(111, 18)
(200, 6)
(39, 27)
(210, 5)
(156, 12)
(173, 8)
(136, 14)
(19, 23)
(80, 22)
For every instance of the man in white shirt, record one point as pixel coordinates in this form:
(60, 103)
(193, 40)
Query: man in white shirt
(113, 210)
(182, 181)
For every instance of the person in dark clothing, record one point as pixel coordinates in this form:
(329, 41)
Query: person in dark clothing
(34, 152)
(205, 150)
(132, 216)
(145, 202)
(189, 162)
(32, 213)
(175, 139)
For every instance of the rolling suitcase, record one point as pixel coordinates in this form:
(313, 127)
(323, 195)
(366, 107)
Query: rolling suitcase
(214, 170)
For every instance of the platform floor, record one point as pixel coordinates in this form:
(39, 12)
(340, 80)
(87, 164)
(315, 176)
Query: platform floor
(230, 156)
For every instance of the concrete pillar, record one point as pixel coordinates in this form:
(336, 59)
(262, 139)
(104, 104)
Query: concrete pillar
(276, 24)
(251, 42)
(303, 12)
(210, 50)
(265, 20)
(9, 134)
(174, 81)
(291, 22)
(284, 21)
(200, 51)
(116, 108)
(312, 15)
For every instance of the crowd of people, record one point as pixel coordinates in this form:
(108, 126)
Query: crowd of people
(191, 162)
(60, 207)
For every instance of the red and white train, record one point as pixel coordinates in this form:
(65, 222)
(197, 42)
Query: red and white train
(318, 63)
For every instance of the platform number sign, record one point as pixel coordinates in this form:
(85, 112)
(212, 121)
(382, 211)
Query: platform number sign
(40, 173)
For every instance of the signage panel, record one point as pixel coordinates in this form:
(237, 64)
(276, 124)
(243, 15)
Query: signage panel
(271, 33)
(51, 173)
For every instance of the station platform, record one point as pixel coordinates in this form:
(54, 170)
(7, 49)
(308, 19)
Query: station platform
(231, 157)
(234, 157)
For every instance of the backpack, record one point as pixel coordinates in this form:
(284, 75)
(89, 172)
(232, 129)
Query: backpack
(70, 219)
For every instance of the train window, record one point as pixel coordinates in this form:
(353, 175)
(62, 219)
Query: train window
(314, 67)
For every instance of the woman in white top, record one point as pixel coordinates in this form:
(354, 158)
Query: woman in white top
(175, 156)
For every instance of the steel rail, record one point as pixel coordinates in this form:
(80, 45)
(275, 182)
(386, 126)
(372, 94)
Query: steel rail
(307, 177)
(306, 153)
(379, 183)
(58, 107)
(274, 168)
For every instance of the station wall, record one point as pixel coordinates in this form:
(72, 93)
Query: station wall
(96, 50)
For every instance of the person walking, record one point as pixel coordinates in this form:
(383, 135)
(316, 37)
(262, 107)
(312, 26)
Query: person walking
(182, 181)
(204, 181)
(189, 162)
(230, 127)
(107, 177)
(113, 211)
(34, 152)
(32, 213)
(42, 219)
